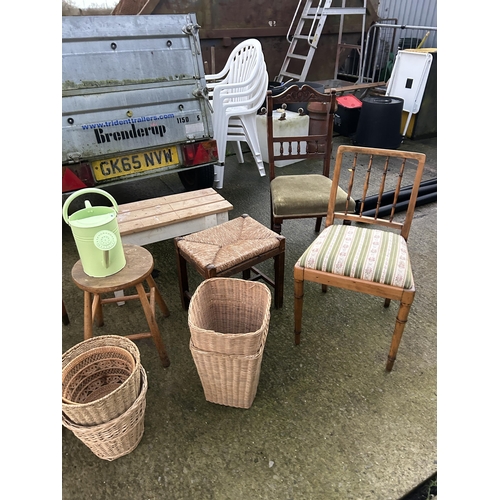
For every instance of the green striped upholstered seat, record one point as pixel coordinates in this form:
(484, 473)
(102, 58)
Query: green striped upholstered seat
(368, 254)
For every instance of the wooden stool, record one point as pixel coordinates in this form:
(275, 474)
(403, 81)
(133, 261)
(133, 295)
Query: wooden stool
(229, 248)
(138, 269)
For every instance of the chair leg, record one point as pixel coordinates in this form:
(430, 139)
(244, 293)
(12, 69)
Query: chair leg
(297, 310)
(219, 175)
(249, 123)
(404, 310)
(275, 223)
(387, 303)
(317, 227)
(220, 137)
(153, 326)
(238, 151)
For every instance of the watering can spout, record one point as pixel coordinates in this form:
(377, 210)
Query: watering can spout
(88, 204)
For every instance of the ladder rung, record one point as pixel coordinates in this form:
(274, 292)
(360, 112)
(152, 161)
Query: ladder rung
(338, 11)
(349, 45)
(311, 17)
(317, 15)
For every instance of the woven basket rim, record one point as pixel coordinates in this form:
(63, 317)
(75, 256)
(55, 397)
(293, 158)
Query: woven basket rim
(215, 354)
(99, 340)
(74, 406)
(115, 421)
(95, 350)
(232, 282)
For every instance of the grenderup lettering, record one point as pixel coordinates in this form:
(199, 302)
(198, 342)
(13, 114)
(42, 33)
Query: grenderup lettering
(124, 135)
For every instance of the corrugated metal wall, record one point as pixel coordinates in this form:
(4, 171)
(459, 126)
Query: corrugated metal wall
(413, 13)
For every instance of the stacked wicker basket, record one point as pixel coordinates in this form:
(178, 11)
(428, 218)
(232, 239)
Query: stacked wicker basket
(229, 321)
(104, 395)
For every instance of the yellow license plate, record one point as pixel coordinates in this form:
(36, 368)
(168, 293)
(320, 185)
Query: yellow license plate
(134, 163)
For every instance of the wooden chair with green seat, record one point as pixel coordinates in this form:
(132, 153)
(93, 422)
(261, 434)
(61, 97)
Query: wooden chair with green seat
(367, 254)
(303, 195)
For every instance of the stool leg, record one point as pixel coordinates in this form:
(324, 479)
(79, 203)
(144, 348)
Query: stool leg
(87, 315)
(65, 317)
(158, 298)
(153, 326)
(97, 314)
(183, 278)
(279, 279)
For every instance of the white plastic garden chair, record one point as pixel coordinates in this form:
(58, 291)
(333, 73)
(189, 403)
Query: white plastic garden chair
(236, 121)
(237, 93)
(238, 64)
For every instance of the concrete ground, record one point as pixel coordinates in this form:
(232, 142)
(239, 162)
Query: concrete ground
(328, 422)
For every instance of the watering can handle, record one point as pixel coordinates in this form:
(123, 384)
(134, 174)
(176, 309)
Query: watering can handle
(82, 192)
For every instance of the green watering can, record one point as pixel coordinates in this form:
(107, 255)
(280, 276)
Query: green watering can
(96, 234)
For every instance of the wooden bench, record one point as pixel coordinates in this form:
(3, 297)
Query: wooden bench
(158, 219)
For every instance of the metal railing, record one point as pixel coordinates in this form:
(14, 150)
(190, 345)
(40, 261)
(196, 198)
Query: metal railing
(384, 40)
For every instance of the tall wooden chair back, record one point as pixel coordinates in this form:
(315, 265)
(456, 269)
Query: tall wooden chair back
(302, 195)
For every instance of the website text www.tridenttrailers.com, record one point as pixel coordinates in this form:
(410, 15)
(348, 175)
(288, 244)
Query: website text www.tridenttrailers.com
(154, 129)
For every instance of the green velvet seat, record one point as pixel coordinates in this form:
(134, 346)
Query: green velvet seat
(305, 196)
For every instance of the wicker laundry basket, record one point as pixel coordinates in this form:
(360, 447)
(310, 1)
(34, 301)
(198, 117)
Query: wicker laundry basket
(228, 379)
(100, 379)
(119, 436)
(229, 316)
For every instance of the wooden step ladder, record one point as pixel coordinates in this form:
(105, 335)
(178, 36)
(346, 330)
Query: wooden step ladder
(308, 28)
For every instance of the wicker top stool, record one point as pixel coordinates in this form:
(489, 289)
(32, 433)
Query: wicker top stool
(139, 268)
(230, 248)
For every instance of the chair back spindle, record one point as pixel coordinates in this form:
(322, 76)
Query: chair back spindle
(376, 179)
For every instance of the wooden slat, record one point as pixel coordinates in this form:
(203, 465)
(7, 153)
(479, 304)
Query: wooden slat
(173, 198)
(165, 210)
(162, 207)
(356, 86)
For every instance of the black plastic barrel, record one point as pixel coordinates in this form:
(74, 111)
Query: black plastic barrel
(275, 88)
(379, 124)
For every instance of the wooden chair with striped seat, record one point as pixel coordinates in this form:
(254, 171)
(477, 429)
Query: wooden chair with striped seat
(366, 253)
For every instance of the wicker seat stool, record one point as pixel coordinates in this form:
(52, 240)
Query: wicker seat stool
(138, 269)
(230, 248)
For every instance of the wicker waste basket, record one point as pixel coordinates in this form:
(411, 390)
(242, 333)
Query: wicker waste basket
(100, 379)
(119, 436)
(229, 322)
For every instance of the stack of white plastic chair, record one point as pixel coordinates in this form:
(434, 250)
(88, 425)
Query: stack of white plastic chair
(237, 93)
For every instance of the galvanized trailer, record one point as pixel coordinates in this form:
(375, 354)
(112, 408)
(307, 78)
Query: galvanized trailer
(134, 101)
